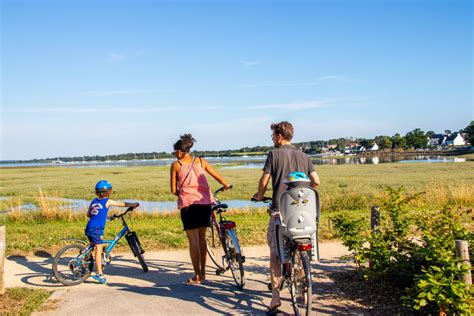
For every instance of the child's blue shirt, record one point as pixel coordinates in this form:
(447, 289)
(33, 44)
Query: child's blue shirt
(98, 213)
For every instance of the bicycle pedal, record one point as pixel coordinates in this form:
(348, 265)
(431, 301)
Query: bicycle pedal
(219, 271)
(243, 259)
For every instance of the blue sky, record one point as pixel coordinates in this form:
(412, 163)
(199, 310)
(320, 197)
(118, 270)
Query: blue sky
(108, 77)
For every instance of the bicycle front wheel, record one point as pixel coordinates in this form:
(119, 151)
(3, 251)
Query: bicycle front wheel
(235, 260)
(215, 249)
(72, 265)
(137, 250)
(300, 288)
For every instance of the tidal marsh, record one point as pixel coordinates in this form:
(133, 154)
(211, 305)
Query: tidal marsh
(348, 189)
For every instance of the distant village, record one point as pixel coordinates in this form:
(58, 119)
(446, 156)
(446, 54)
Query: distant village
(439, 142)
(413, 141)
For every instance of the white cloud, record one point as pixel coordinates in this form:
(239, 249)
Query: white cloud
(115, 57)
(123, 92)
(295, 84)
(296, 106)
(279, 84)
(99, 109)
(250, 63)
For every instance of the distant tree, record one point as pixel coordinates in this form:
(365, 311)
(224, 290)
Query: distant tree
(342, 143)
(416, 139)
(430, 133)
(367, 143)
(399, 141)
(469, 130)
(447, 131)
(384, 142)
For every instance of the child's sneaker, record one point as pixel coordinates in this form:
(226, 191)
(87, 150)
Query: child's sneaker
(100, 278)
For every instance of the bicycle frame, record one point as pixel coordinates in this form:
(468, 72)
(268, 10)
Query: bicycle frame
(121, 233)
(222, 228)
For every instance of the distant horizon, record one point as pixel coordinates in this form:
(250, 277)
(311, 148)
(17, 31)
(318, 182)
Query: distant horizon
(195, 148)
(105, 77)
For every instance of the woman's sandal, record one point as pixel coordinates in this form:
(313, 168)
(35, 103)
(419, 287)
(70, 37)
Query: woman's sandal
(193, 282)
(273, 310)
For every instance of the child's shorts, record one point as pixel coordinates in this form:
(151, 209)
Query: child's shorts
(94, 234)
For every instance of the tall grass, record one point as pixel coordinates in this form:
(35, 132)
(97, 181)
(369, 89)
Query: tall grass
(346, 189)
(152, 183)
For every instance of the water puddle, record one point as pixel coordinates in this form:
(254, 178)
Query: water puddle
(78, 205)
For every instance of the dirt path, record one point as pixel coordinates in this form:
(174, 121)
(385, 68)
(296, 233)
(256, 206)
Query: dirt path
(162, 290)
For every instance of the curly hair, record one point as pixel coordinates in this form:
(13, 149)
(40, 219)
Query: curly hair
(284, 129)
(184, 143)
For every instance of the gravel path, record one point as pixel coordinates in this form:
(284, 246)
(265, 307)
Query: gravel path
(162, 290)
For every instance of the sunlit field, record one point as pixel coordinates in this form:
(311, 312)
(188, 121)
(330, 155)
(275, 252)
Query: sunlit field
(342, 186)
(350, 189)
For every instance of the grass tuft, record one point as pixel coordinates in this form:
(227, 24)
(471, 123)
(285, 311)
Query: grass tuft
(22, 301)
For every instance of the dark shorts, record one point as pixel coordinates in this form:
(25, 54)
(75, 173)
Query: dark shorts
(94, 235)
(196, 216)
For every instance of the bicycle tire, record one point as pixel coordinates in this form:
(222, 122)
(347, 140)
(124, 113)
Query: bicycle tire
(235, 261)
(76, 272)
(137, 251)
(215, 248)
(301, 284)
(141, 259)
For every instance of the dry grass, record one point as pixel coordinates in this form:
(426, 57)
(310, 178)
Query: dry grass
(342, 186)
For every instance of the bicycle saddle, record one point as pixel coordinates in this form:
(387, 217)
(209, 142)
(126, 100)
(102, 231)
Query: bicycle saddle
(220, 206)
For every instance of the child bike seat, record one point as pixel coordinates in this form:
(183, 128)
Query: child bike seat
(299, 212)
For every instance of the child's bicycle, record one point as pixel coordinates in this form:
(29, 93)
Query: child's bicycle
(223, 245)
(74, 263)
(294, 253)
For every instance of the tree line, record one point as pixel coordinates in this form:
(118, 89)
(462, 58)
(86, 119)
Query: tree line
(415, 139)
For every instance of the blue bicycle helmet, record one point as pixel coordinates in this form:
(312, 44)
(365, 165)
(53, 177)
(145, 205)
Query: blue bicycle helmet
(103, 186)
(297, 179)
(297, 176)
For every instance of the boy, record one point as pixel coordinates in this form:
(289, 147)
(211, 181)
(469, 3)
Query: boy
(97, 214)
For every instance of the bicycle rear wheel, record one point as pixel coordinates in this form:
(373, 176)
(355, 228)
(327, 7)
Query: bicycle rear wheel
(215, 248)
(235, 260)
(71, 266)
(300, 289)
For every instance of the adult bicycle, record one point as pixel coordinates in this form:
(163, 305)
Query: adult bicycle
(223, 245)
(295, 245)
(74, 263)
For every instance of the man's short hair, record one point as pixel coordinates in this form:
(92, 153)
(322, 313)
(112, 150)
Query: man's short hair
(284, 129)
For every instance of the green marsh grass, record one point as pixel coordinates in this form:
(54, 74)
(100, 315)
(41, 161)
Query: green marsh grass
(348, 189)
(362, 183)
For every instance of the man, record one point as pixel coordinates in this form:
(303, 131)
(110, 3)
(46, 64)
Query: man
(285, 158)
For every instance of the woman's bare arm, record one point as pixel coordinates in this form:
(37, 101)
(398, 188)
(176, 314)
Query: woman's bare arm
(209, 169)
(173, 176)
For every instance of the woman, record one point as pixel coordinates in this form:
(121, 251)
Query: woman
(188, 181)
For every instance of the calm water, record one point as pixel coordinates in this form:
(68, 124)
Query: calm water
(242, 162)
(255, 162)
(149, 206)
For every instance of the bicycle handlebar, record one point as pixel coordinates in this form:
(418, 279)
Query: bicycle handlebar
(123, 214)
(265, 199)
(222, 189)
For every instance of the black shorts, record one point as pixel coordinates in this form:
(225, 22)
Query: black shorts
(196, 216)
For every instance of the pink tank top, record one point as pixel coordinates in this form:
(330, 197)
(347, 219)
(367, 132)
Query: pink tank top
(193, 187)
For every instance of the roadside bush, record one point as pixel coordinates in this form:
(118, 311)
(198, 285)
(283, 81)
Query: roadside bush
(414, 254)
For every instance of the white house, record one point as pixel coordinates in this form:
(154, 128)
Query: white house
(437, 139)
(374, 147)
(455, 139)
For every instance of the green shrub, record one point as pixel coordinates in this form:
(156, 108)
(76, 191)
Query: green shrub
(415, 254)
